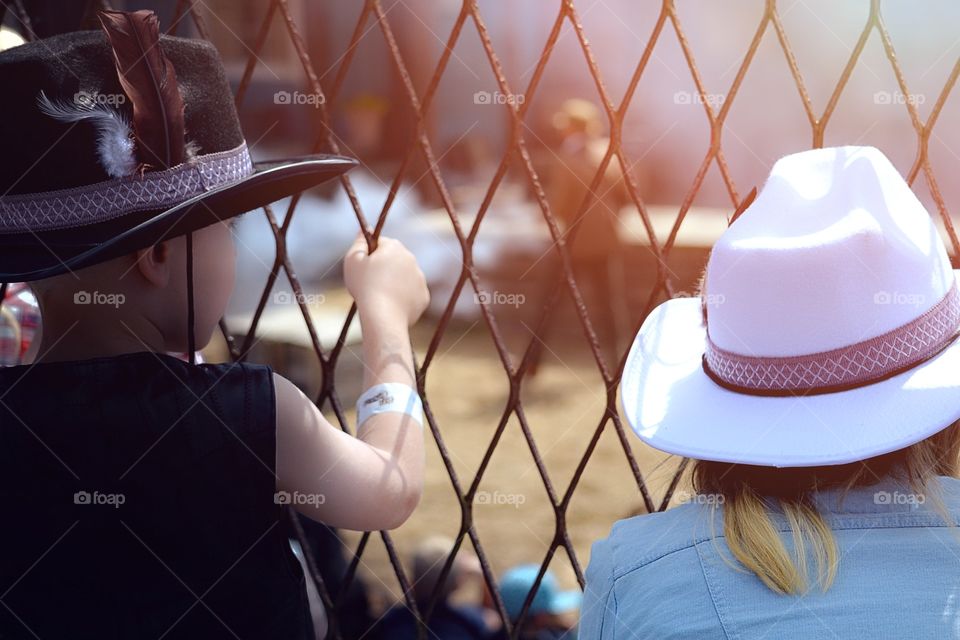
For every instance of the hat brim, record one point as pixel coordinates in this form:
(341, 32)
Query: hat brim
(673, 406)
(34, 256)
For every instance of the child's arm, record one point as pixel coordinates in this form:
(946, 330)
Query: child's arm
(372, 481)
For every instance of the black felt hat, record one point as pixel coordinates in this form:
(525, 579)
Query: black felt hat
(116, 139)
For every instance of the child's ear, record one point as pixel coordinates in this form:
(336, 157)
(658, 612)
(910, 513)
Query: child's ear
(154, 263)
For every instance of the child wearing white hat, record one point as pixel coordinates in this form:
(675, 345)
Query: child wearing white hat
(816, 386)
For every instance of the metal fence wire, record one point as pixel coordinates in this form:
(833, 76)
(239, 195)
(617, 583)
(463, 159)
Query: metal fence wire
(373, 18)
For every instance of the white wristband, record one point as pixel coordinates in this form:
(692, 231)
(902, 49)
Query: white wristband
(389, 397)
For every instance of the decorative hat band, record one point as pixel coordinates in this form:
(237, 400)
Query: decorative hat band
(841, 369)
(106, 200)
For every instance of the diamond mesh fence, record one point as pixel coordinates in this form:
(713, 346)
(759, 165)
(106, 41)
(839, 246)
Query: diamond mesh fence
(419, 160)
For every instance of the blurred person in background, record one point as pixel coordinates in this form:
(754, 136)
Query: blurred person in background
(364, 116)
(353, 604)
(19, 323)
(552, 614)
(448, 620)
(596, 252)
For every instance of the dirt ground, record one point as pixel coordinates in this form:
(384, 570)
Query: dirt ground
(467, 390)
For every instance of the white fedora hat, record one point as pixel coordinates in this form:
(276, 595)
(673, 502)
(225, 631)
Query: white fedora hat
(825, 332)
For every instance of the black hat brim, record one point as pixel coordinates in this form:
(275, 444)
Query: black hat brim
(33, 256)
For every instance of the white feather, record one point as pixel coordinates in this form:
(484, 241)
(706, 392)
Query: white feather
(191, 151)
(115, 145)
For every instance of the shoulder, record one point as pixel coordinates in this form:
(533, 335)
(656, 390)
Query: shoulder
(640, 541)
(240, 393)
(291, 408)
(225, 378)
(636, 571)
(221, 372)
(950, 492)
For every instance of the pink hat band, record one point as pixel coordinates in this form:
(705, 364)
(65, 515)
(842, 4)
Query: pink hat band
(840, 369)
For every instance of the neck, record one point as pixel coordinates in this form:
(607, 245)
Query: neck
(94, 337)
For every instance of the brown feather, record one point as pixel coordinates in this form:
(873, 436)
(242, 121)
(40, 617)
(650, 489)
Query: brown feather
(150, 82)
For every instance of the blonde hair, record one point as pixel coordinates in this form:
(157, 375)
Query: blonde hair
(749, 493)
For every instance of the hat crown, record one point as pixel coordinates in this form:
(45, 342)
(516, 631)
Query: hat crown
(836, 249)
(79, 66)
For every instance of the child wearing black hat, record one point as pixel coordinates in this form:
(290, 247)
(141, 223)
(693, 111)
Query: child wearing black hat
(143, 493)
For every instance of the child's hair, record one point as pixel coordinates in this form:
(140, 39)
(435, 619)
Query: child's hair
(746, 491)
(749, 492)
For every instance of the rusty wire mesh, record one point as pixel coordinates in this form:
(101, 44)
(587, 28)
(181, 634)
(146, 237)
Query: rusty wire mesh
(517, 156)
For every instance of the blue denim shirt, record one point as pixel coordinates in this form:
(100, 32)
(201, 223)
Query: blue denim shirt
(669, 575)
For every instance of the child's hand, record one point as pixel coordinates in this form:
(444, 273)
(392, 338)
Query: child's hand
(386, 283)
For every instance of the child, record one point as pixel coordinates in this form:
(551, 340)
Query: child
(816, 386)
(552, 614)
(144, 493)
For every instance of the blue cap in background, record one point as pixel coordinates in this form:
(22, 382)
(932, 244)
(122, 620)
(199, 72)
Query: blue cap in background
(516, 583)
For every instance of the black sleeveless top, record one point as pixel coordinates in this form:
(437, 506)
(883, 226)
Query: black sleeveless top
(139, 500)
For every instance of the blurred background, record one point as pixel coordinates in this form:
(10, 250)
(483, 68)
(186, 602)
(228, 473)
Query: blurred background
(490, 133)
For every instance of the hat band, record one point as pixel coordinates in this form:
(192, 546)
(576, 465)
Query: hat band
(89, 204)
(841, 369)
